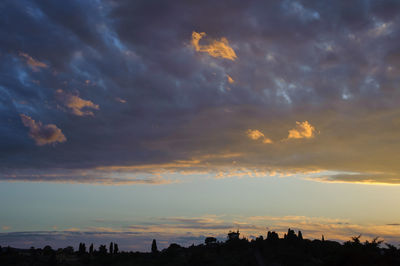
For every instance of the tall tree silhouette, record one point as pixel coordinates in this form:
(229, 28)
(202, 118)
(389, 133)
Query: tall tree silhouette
(300, 235)
(103, 249)
(154, 248)
(111, 249)
(116, 248)
(91, 249)
(82, 248)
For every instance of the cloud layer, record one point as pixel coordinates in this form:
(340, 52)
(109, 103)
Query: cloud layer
(153, 86)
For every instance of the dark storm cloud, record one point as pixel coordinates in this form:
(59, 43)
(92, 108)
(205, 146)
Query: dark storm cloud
(124, 84)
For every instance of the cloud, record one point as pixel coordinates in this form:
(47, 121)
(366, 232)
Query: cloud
(91, 176)
(177, 107)
(35, 65)
(75, 104)
(42, 134)
(85, 179)
(216, 48)
(360, 178)
(267, 141)
(256, 134)
(120, 100)
(230, 79)
(302, 130)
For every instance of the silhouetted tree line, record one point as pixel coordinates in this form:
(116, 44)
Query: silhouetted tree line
(292, 249)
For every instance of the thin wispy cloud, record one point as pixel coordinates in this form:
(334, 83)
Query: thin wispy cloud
(75, 104)
(230, 79)
(34, 64)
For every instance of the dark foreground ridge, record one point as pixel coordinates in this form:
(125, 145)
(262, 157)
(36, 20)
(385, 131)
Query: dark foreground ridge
(292, 249)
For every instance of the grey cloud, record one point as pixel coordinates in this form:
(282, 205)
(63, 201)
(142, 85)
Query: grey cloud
(80, 177)
(42, 134)
(367, 178)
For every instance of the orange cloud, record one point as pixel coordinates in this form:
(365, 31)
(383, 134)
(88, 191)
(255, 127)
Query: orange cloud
(42, 134)
(77, 105)
(34, 64)
(217, 48)
(230, 79)
(302, 130)
(256, 134)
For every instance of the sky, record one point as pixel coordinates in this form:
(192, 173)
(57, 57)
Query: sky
(131, 120)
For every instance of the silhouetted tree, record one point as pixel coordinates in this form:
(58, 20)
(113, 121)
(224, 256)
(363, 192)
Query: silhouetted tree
(154, 248)
(47, 250)
(68, 250)
(290, 236)
(82, 248)
(300, 235)
(374, 244)
(103, 249)
(210, 240)
(91, 249)
(111, 249)
(272, 236)
(272, 251)
(173, 249)
(356, 239)
(233, 236)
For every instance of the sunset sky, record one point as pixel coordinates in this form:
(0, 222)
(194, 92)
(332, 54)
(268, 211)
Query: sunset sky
(131, 120)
